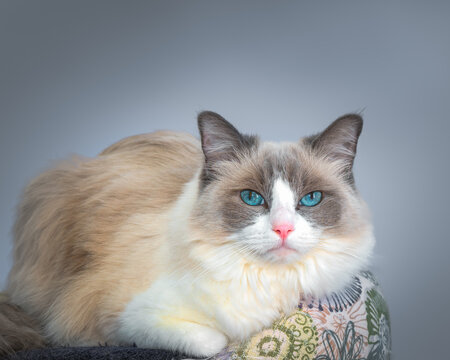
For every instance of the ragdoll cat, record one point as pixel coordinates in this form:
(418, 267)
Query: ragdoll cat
(168, 242)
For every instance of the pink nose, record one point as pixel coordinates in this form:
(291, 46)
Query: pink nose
(283, 230)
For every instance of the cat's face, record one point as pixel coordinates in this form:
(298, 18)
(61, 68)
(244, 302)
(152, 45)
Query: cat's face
(281, 203)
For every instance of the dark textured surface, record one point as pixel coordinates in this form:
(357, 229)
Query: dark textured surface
(97, 352)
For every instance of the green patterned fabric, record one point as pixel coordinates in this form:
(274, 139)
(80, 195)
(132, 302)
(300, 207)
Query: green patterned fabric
(350, 325)
(289, 338)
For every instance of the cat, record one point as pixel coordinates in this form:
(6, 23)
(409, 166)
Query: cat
(168, 242)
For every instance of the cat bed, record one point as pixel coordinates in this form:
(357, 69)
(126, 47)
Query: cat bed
(349, 325)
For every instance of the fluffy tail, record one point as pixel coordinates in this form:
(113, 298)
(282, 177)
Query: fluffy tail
(17, 330)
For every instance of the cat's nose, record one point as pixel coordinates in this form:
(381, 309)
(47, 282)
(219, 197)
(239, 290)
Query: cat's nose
(283, 229)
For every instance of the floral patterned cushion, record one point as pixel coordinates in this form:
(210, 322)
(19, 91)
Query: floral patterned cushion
(349, 325)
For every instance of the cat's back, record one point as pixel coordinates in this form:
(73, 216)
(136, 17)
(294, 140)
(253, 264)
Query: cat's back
(139, 174)
(171, 157)
(154, 166)
(171, 144)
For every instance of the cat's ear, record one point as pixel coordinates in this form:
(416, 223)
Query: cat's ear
(220, 140)
(338, 141)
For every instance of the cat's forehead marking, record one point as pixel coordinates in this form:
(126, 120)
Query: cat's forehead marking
(281, 165)
(282, 195)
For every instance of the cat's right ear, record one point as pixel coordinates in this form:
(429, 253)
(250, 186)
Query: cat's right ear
(220, 140)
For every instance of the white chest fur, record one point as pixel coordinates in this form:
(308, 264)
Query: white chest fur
(252, 299)
(236, 307)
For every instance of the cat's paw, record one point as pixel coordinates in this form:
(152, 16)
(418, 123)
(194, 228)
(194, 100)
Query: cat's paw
(205, 342)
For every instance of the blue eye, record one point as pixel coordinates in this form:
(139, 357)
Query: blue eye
(311, 199)
(251, 197)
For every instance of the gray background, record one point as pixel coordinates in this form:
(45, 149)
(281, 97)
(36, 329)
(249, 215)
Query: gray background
(76, 76)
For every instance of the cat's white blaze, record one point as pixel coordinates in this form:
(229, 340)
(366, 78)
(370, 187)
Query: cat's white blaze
(283, 203)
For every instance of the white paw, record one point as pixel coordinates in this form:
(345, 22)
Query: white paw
(205, 342)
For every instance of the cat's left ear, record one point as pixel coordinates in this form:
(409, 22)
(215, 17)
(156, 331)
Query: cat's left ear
(339, 140)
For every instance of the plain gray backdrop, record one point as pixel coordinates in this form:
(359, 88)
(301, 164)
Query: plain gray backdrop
(76, 76)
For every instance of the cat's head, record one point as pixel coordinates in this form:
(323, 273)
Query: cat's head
(283, 203)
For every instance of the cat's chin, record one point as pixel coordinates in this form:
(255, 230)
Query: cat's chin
(282, 255)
